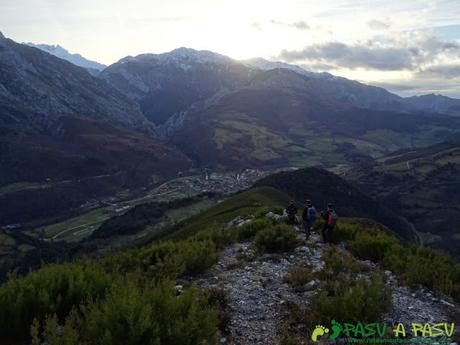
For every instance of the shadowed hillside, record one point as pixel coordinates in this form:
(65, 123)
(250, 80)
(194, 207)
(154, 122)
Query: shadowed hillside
(423, 184)
(323, 187)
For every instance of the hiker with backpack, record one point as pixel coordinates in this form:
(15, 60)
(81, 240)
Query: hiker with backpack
(308, 218)
(330, 220)
(291, 211)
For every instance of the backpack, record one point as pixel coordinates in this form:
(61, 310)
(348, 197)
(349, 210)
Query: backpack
(332, 218)
(291, 210)
(311, 214)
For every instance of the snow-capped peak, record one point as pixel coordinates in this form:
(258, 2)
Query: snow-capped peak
(264, 64)
(197, 55)
(183, 55)
(62, 53)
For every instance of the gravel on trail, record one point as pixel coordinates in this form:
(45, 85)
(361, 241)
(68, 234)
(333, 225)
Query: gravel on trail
(257, 293)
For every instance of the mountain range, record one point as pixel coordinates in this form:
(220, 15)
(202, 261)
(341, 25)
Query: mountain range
(228, 114)
(68, 136)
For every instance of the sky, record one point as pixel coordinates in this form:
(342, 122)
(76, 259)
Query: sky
(407, 46)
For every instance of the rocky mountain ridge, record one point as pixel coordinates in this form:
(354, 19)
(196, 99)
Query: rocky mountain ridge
(92, 66)
(37, 87)
(261, 302)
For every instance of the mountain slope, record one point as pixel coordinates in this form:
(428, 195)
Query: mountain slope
(70, 135)
(277, 120)
(423, 184)
(435, 103)
(323, 187)
(75, 161)
(170, 83)
(227, 114)
(92, 66)
(36, 88)
(362, 95)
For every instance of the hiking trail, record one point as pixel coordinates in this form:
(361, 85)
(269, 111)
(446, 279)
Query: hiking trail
(258, 297)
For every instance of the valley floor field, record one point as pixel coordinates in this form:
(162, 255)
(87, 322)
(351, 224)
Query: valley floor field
(79, 227)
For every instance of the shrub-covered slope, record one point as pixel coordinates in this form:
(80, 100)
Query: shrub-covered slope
(132, 297)
(323, 187)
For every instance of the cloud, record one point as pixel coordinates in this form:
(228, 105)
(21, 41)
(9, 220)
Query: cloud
(414, 52)
(354, 56)
(317, 67)
(449, 71)
(418, 86)
(377, 25)
(299, 25)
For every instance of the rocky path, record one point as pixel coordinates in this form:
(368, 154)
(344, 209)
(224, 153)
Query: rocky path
(256, 290)
(419, 306)
(257, 293)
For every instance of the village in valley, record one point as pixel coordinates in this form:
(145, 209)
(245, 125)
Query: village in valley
(94, 212)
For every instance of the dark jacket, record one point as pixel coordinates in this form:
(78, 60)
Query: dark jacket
(291, 209)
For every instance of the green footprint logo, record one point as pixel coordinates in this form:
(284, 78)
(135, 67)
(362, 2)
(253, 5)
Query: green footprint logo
(318, 332)
(336, 329)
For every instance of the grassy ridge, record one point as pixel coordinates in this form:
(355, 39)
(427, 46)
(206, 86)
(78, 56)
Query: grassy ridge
(76, 295)
(127, 298)
(241, 204)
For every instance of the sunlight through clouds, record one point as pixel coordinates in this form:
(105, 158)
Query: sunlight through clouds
(391, 41)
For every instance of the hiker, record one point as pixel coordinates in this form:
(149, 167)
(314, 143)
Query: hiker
(330, 220)
(308, 218)
(291, 211)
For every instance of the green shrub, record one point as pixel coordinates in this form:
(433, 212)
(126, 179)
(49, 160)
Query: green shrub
(347, 228)
(67, 335)
(278, 210)
(218, 298)
(172, 259)
(413, 264)
(298, 276)
(56, 289)
(162, 260)
(347, 300)
(198, 255)
(250, 229)
(344, 231)
(262, 212)
(336, 265)
(131, 315)
(423, 266)
(219, 236)
(345, 295)
(372, 245)
(53, 289)
(276, 238)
